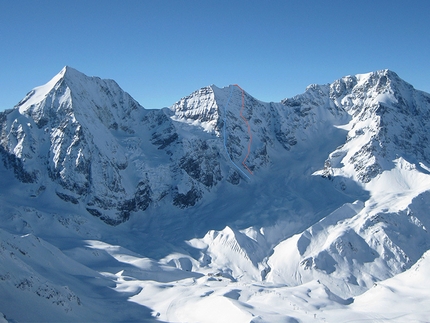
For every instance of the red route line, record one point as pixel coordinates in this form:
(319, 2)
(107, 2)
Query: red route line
(249, 131)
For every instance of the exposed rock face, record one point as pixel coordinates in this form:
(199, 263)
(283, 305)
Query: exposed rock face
(387, 114)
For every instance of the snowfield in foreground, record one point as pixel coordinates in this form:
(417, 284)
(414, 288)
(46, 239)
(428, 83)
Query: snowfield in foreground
(221, 208)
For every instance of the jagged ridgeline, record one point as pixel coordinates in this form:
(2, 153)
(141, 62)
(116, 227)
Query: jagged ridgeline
(107, 153)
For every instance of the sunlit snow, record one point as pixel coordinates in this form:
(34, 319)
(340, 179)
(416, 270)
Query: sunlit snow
(113, 213)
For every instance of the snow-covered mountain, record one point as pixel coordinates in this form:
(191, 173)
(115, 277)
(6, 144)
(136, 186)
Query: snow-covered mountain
(273, 212)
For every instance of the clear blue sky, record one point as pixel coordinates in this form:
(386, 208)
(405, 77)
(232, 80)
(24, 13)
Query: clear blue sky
(162, 50)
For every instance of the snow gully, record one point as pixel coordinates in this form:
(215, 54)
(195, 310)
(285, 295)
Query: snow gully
(248, 127)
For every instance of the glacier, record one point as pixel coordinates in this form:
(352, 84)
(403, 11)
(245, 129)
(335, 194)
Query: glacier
(112, 212)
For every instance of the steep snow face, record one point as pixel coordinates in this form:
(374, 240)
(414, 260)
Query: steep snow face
(38, 94)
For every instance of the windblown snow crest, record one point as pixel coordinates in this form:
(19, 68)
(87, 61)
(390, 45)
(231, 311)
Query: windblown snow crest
(334, 198)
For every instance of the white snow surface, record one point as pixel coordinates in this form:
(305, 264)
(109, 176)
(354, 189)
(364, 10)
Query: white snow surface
(113, 213)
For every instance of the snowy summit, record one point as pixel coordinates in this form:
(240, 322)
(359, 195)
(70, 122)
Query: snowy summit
(221, 208)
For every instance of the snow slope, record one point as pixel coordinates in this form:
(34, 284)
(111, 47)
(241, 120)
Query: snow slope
(111, 212)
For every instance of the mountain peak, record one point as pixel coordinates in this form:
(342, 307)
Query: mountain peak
(70, 72)
(198, 108)
(387, 72)
(40, 93)
(380, 78)
(68, 84)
